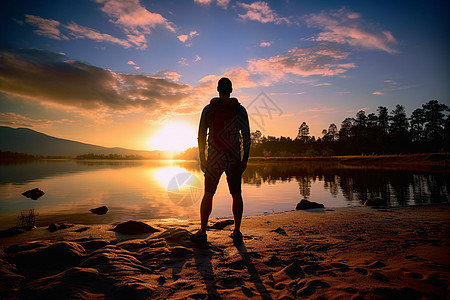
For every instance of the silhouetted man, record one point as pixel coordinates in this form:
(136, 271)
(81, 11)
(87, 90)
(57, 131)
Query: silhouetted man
(223, 125)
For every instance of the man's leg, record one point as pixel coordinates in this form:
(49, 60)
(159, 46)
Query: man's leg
(205, 210)
(238, 207)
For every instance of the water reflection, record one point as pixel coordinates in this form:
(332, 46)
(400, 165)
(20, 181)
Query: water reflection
(173, 189)
(397, 186)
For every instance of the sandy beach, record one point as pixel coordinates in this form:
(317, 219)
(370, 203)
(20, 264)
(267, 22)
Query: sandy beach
(339, 253)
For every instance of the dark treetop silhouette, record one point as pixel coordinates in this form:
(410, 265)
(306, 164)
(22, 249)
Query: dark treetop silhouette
(225, 122)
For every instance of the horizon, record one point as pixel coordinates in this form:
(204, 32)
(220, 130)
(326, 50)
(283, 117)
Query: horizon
(132, 75)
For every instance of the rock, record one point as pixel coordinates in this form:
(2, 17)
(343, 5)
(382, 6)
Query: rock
(15, 230)
(102, 210)
(306, 204)
(33, 194)
(376, 202)
(134, 227)
(58, 226)
(280, 231)
(222, 224)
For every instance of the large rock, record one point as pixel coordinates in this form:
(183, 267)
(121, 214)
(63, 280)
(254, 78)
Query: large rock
(134, 227)
(376, 202)
(306, 204)
(102, 210)
(33, 194)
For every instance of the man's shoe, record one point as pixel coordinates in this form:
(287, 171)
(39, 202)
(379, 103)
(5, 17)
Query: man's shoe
(237, 238)
(199, 238)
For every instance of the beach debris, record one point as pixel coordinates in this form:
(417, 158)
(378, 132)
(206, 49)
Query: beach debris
(33, 194)
(102, 210)
(376, 202)
(58, 226)
(280, 231)
(134, 227)
(222, 224)
(306, 204)
(27, 218)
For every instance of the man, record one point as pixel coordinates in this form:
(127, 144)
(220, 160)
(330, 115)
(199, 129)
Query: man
(223, 126)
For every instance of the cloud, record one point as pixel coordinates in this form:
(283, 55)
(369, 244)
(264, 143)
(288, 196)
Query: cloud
(240, 77)
(134, 19)
(322, 84)
(346, 27)
(17, 120)
(392, 87)
(130, 62)
(261, 12)
(265, 44)
(81, 32)
(173, 76)
(183, 61)
(185, 37)
(323, 60)
(46, 27)
(55, 30)
(50, 78)
(221, 3)
(203, 2)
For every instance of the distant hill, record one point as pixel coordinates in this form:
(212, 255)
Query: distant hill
(24, 140)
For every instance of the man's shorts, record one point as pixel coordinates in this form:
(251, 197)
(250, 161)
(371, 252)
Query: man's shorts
(216, 166)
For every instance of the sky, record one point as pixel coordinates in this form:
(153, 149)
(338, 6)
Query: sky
(137, 74)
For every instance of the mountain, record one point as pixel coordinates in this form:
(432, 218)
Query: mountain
(24, 140)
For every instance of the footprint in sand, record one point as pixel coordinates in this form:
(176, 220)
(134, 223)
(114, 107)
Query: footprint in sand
(361, 271)
(231, 282)
(311, 287)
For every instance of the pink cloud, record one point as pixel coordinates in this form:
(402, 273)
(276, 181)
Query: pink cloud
(173, 76)
(346, 27)
(203, 2)
(221, 3)
(78, 31)
(316, 60)
(185, 37)
(265, 44)
(261, 12)
(46, 27)
(240, 77)
(134, 19)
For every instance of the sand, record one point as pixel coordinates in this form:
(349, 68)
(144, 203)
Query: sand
(343, 253)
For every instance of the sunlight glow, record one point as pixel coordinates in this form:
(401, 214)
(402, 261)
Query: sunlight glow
(174, 136)
(165, 175)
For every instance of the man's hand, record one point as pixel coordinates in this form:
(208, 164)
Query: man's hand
(243, 166)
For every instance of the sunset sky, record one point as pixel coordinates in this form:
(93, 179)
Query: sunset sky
(136, 74)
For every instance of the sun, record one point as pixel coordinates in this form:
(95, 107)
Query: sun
(174, 136)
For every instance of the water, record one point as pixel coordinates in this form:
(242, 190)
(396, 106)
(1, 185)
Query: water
(173, 189)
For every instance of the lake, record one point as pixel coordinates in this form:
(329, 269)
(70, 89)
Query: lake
(173, 189)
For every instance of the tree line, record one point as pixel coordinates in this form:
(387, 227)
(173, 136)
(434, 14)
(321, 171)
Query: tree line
(426, 130)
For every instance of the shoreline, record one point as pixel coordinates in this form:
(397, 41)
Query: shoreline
(373, 253)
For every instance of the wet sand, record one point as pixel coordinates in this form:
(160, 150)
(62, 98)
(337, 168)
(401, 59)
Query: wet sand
(343, 253)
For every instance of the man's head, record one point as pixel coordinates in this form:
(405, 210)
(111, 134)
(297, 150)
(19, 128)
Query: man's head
(224, 86)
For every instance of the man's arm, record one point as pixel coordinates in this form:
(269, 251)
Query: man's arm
(245, 131)
(202, 131)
